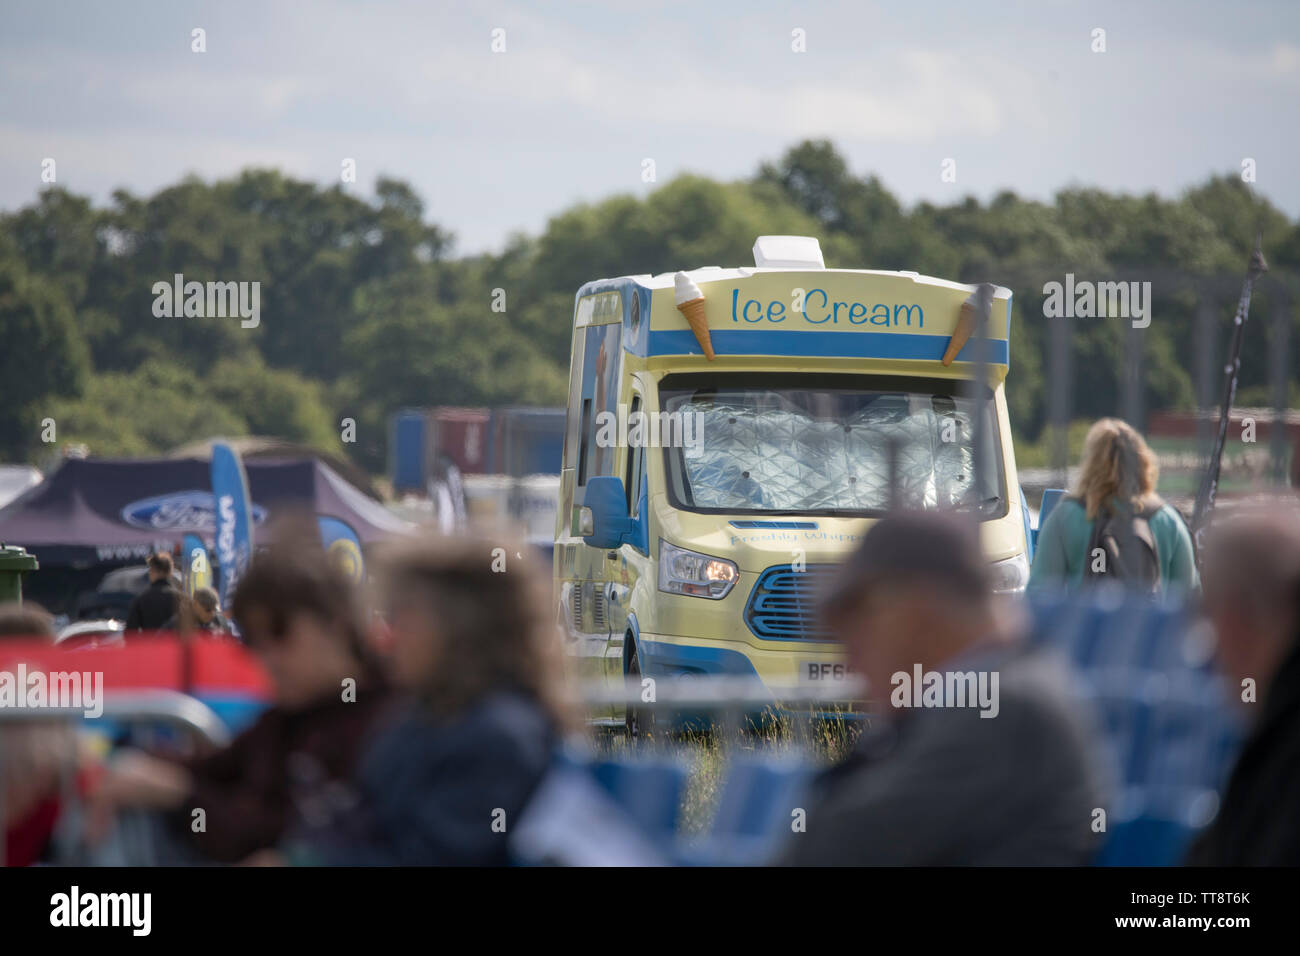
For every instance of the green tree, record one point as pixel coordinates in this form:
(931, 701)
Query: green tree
(42, 356)
(146, 412)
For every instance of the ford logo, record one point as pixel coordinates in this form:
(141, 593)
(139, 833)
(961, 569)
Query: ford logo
(181, 511)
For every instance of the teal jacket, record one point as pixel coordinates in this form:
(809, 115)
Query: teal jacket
(1061, 552)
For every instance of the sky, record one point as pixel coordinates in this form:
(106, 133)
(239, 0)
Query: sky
(584, 93)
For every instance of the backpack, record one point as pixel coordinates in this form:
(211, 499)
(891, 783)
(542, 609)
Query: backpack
(1129, 549)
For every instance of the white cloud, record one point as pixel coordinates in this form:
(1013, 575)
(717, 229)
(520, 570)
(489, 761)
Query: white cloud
(495, 142)
(1285, 59)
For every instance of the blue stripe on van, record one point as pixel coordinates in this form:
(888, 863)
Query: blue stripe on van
(789, 525)
(882, 345)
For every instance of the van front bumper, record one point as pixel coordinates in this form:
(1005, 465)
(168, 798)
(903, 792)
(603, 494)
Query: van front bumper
(783, 666)
(681, 659)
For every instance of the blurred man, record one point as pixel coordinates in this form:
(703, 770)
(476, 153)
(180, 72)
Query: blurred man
(1252, 596)
(157, 604)
(981, 759)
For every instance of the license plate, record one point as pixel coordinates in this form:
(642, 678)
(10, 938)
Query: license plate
(824, 670)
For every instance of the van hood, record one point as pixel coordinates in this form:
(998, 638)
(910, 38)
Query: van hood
(756, 542)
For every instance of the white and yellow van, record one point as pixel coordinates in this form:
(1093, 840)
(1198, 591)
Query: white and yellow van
(703, 500)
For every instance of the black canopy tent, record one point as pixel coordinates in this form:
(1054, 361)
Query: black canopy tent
(92, 515)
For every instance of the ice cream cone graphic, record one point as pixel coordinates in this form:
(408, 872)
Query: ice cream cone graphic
(690, 302)
(961, 333)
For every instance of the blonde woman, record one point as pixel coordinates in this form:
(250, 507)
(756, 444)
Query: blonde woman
(1114, 526)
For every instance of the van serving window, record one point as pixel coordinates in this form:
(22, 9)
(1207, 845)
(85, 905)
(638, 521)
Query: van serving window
(795, 444)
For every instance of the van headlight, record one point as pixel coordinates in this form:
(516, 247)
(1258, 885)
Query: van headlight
(1010, 576)
(695, 574)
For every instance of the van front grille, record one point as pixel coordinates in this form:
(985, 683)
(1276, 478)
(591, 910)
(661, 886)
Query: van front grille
(783, 605)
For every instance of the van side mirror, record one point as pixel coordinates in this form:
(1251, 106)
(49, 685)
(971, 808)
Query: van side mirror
(606, 502)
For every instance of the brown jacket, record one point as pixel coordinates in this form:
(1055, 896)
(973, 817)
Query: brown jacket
(285, 767)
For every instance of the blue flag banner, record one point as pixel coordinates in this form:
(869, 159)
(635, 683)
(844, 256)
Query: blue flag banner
(343, 546)
(197, 566)
(234, 530)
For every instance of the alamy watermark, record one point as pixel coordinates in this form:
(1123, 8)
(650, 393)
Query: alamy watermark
(133, 911)
(34, 689)
(210, 300)
(624, 429)
(922, 689)
(1110, 300)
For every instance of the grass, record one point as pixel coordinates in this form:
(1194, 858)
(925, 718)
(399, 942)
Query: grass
(706, 749)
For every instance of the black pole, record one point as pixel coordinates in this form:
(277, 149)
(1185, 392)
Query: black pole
(1232, 371)
(980, 388)
(1280, 352)
(1058, 398)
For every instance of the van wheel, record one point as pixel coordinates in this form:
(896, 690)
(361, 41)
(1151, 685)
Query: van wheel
(640, 722)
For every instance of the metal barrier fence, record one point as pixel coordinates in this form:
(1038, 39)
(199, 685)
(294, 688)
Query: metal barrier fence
(719, 693)
(156, 707)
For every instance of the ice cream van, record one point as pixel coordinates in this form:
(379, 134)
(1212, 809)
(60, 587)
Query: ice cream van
(731, 435)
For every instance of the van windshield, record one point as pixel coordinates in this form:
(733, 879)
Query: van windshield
(794, 444)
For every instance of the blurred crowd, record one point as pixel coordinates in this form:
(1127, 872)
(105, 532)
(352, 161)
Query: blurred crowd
(412, 721)
(401, 718)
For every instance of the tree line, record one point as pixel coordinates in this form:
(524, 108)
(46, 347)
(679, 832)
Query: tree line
(365, 308)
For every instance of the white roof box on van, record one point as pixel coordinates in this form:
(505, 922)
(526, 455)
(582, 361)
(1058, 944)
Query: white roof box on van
(788, 252)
